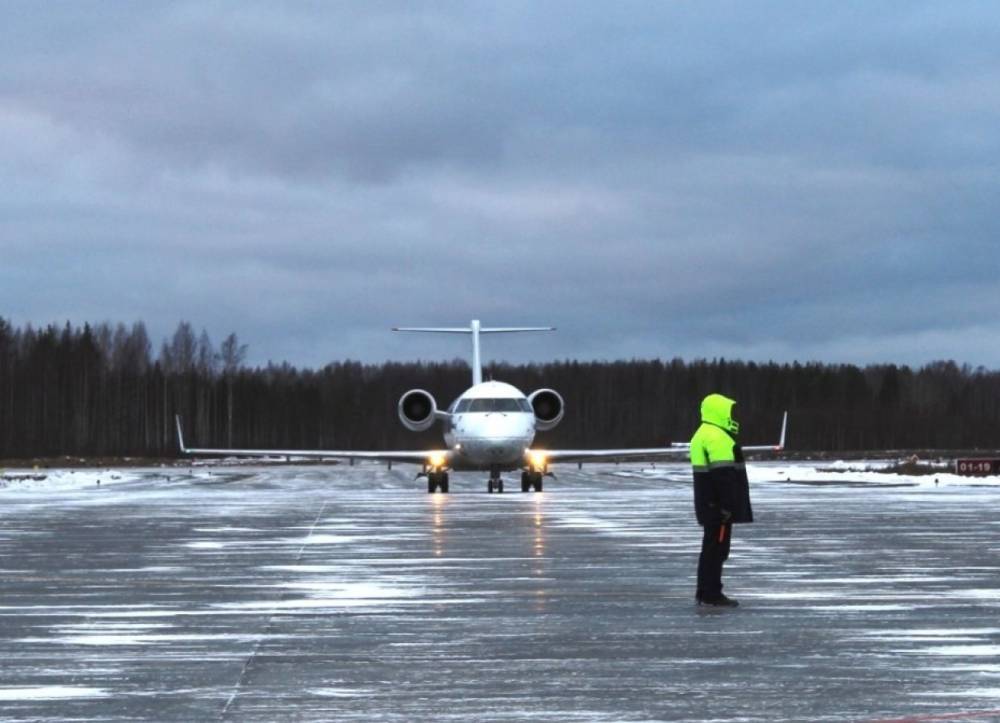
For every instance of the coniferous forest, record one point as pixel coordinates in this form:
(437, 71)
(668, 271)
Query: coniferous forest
(104, 390)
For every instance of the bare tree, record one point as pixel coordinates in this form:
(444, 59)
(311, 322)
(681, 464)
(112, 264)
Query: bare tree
(182, 352)
(232, 354)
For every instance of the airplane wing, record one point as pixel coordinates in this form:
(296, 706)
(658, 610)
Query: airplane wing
(675, 450)
(436, 456)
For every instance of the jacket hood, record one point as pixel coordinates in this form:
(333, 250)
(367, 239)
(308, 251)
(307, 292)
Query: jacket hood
(718, 410)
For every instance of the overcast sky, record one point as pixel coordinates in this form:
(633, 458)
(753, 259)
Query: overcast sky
(765, 180)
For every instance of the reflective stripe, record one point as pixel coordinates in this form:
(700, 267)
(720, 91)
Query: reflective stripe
(700, 468)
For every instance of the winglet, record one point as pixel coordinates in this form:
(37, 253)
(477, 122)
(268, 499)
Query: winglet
(180, 434)
(784, 428)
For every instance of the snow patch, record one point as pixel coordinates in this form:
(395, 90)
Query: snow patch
(50, 692)
(959, 651)
(970, 693)
(112, 639)
(342, 692)
(206, 545)
(63, 480)
(860, 471)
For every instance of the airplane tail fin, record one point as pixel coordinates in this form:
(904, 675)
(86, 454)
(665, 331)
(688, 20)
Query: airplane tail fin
(475, 330)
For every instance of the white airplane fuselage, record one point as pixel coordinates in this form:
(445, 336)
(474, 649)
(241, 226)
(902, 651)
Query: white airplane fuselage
(490, 425)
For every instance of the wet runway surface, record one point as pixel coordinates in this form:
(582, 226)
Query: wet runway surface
(350, 594)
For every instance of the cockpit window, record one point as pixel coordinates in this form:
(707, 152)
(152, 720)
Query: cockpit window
(493, 405)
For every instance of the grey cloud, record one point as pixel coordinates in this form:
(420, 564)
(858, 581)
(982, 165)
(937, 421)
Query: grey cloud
(784, 179)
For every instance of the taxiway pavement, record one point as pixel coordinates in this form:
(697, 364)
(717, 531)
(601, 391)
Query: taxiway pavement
(348, 593)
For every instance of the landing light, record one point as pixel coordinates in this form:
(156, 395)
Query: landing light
(437, 460)
(537, 460)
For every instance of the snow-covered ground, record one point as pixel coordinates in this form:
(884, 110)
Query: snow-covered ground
(856, 471)
(875, 472)
(22, 480)
(31, 481)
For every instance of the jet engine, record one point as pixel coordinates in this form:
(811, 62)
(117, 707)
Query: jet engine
(548, 407)
(417, 410)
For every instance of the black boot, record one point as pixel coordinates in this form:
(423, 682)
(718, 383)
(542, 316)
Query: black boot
(718, 602)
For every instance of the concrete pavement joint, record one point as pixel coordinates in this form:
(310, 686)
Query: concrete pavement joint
(270, 622)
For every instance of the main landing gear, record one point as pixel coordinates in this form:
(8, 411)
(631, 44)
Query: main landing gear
(531, 481)
(437, 481)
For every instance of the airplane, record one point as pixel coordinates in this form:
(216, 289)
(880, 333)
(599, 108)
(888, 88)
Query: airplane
(489, 427)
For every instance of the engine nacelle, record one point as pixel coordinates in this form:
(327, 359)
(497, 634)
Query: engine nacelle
(548, 407)
(417, 410)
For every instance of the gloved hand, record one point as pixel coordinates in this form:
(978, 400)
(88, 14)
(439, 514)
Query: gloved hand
(725, 516)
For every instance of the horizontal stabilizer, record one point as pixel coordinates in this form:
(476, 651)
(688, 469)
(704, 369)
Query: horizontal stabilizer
(467, 330)
(475, 329)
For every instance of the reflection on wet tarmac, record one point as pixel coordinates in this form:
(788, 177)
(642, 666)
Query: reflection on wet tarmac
(540, 562)
(438, 503)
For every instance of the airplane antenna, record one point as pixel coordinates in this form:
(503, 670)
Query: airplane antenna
(475, 330)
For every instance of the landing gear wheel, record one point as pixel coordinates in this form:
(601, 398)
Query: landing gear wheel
(437, 481)
(496, 481)
(531, 481)
(489, 487)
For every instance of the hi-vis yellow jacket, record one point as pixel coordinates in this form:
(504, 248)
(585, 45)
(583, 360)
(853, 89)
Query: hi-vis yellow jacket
(721, 488)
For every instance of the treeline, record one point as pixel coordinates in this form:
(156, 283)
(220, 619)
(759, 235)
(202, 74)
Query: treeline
(103, 390)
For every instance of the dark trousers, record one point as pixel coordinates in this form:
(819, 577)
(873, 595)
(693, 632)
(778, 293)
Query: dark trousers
(714, 552)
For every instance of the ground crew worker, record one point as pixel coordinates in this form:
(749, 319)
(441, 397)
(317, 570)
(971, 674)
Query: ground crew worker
(721, 493)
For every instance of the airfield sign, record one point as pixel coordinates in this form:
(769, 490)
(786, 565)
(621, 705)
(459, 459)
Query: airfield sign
(982, 466)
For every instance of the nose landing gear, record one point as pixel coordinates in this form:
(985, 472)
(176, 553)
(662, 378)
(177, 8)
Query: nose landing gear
(496, 483)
